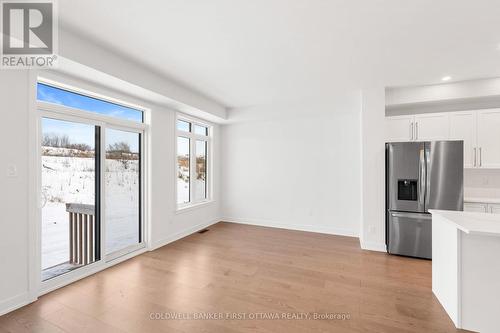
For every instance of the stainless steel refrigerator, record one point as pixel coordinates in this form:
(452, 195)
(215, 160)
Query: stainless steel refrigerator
(420, 176)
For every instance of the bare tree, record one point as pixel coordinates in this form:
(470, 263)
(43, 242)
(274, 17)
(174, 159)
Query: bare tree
(55, 140)
(62, 141)
(120, 151)
(119, 147)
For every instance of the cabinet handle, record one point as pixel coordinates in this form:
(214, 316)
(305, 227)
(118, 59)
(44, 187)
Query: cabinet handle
(480, 156)
(416, 130)
(475, 157)
(411, 131)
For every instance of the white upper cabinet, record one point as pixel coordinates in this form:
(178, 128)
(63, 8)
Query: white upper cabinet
(479, 129)
(488, 138)
(432, 126)
(463, 127)
(399, 128)
(422, 127)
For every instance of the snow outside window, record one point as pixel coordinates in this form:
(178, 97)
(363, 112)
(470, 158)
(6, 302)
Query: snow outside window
(193, 146)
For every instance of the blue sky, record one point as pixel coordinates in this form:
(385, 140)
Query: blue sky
(84, 133)
(50, 94)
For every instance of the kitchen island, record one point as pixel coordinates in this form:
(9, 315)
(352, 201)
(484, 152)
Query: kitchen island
(466, 268)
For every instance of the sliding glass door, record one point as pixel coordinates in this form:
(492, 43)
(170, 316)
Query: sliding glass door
(91, 180)
(122, 190)
(72, 188)
(70, 202)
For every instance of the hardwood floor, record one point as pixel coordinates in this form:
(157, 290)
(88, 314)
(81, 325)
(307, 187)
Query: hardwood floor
(251, 271)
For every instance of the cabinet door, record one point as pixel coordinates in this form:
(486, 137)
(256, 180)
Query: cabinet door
(494, 208)
(432, 126)
(399, 128)
(488, 138)
(463, 127)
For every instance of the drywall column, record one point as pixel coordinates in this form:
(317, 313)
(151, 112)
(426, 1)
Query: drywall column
(372, 234)
(14, 160)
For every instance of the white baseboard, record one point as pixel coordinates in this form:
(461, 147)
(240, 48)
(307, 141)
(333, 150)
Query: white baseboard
(182, 234)
(308, 228)
(15, 302)
(373, 246)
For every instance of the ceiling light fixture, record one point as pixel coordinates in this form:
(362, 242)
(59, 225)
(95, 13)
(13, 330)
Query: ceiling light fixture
(446, 78)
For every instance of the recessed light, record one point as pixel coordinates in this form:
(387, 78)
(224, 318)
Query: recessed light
(446, 78)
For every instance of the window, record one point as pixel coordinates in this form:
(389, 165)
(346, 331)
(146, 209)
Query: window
(183, 126)
(51, 94)
(183, 170)
(83, 199)
(70, 207)
(193, 147)
(123, 183)
(200, 130)
(200, 188)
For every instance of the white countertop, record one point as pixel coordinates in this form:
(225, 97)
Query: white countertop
(482, 200)
(472, 223)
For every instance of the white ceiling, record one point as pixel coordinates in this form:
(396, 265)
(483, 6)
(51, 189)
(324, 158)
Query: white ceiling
(257, 52)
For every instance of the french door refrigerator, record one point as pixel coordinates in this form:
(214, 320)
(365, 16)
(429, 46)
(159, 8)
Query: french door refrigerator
(420, 176)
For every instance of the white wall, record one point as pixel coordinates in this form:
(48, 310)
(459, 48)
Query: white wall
(449, 97)
(448, 91)
(166, 225)
(294, 166)
(373, 169)
(13, 191)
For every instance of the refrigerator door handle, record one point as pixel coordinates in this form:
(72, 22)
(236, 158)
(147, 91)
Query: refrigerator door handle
(427, 177)
(422, 178)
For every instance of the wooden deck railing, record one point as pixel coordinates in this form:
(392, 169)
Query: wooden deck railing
(82, 228)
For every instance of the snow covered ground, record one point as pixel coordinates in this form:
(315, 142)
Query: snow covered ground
(68, 176)
(71, 179)
(183, 190)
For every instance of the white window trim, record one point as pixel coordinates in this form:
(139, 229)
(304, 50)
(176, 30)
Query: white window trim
(193, 203)
(39, 110)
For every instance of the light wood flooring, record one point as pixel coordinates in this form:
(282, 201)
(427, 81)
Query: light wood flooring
(246, 271)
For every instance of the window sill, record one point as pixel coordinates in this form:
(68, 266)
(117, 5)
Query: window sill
(191, 207)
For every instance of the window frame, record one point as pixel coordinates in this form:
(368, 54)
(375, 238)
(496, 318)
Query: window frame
(42, 109)
(193, 137)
